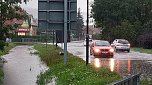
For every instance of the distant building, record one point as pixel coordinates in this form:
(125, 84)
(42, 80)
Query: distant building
(28, 27)
(24, 27)
(92, 30)
(34, 27)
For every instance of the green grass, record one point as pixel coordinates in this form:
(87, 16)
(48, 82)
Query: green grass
(142, 50)
(146, 82)
(7, 48)
(75, 72)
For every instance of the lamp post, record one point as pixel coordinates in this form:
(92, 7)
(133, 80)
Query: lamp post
(87, 35)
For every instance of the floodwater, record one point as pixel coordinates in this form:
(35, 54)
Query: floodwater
(22, 67)
(123, 63)
(125, 67)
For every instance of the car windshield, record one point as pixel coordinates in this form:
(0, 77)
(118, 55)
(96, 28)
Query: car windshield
(102, 43)
(123, 42)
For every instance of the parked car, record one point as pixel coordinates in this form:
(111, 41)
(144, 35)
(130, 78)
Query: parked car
(101, 48)
(84, 42)
(121, 44)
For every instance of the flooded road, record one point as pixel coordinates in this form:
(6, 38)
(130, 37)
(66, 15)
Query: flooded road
(22, 67)
(124, 63)
(125, 67)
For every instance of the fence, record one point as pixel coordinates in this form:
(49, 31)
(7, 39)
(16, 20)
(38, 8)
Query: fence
(31, 40)
(131, 80)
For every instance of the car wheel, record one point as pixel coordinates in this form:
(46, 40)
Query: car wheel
(128, 51)
(116, 50)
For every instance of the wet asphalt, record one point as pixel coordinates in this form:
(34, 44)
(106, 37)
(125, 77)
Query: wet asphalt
(22, 66)
(123, 63)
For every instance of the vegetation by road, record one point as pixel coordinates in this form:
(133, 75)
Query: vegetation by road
(128, 19)
(7, 48)
(8, 12)
(142, 50)
(5, 51)
(75, 72)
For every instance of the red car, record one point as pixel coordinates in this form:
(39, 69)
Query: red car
(101, 48)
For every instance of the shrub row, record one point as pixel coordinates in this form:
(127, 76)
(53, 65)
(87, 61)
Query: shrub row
(145, 41)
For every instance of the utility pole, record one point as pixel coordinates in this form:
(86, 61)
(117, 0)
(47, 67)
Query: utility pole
(87, 35)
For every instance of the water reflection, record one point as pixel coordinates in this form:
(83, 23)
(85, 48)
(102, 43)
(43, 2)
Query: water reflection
(110, 63)
(124, 67)
(97, 62)
(129, 66)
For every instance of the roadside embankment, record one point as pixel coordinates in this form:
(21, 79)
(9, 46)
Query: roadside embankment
(75, 72)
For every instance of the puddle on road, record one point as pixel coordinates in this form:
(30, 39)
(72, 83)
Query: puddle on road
(125, 67)
(22, 67)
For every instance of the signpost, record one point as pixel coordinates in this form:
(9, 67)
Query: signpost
(87, 35)
(58, 15)
(65, 31)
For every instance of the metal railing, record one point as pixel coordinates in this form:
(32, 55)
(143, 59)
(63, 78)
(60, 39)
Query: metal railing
(130, 80)
(31, 40)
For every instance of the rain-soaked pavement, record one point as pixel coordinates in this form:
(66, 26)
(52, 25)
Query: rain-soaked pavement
(124, 63)
(22, 66)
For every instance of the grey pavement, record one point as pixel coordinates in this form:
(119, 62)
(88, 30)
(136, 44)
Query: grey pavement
(22, 67)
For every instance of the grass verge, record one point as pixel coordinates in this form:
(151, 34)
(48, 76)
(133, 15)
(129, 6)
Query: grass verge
(75, 72)
(5, 51)
(146, 82)
(142, 50)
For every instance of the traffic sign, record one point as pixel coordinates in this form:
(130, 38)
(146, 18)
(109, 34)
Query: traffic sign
(51, 14)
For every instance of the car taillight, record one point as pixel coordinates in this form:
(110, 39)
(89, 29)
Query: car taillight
(97, 50)
(111, 50)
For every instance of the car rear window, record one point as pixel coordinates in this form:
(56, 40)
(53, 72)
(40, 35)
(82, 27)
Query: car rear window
(123, 42)
(102, 43)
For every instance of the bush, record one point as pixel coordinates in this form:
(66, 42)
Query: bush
(145, 41)
(2, 44)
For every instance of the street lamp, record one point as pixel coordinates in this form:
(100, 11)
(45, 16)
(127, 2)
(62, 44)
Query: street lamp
(87, 35)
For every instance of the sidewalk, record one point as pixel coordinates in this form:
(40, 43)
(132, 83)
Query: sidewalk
(22, 67)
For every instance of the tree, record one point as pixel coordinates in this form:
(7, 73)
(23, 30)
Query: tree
(110, 14)
(8, 10)
(79, 24)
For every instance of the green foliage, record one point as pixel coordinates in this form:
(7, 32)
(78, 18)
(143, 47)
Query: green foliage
(145, 40)
(119, 17)
(8, 10)
(7, 48)
(2, 44)
(142, 50)
(75, 72)
(1, 76)
(79, 24)
(146, 82)
(97, 36)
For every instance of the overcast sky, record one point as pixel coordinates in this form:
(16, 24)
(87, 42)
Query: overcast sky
(80, 4)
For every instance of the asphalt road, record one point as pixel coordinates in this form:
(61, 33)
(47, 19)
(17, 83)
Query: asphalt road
(124, 63)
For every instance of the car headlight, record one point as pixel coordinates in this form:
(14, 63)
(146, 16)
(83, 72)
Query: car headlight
(111, 50)
(97, 50)
(128, 45)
